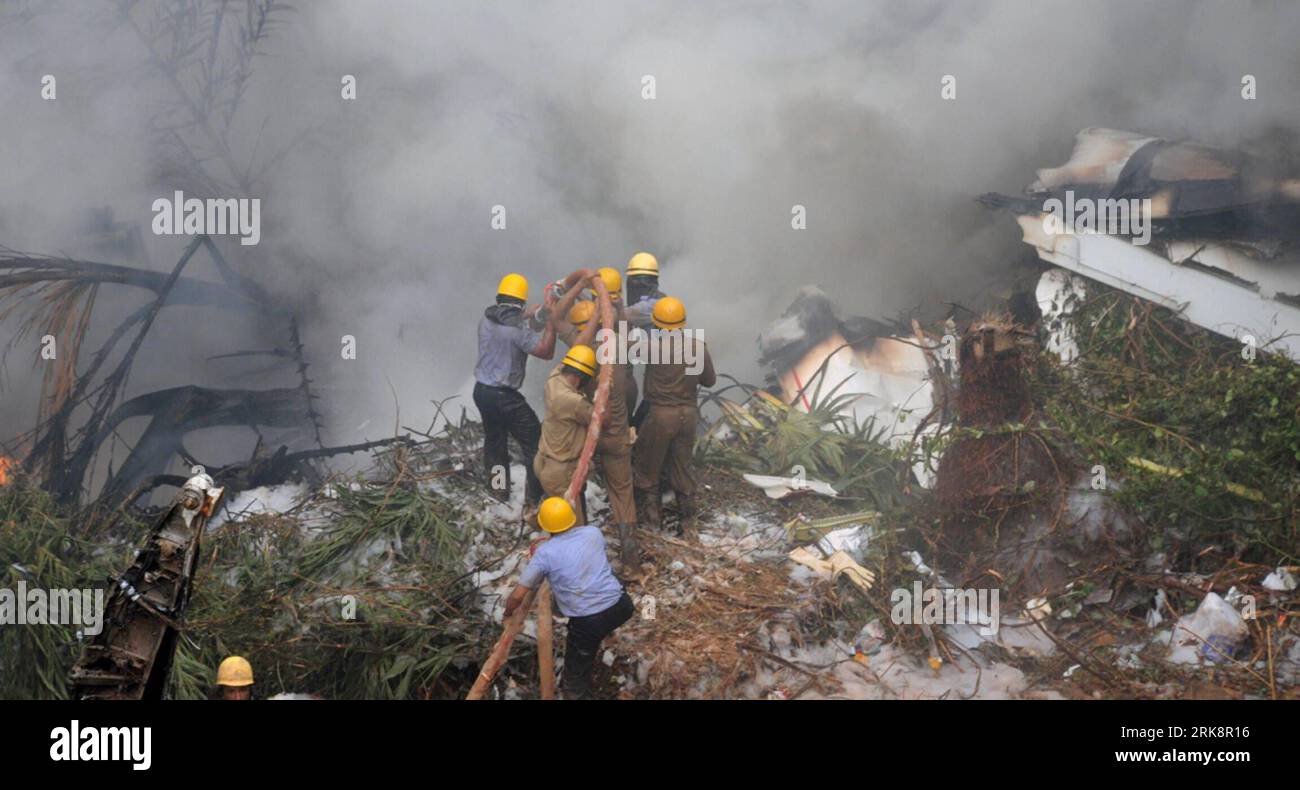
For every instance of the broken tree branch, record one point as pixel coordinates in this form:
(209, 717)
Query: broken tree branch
(67, 481)
(27, 269)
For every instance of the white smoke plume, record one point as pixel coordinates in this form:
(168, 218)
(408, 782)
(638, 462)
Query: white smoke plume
(376, 212)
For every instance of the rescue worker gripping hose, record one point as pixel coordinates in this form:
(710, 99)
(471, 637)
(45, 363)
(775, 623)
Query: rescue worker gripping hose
(506, 339)
(614, 448)
(564, 428)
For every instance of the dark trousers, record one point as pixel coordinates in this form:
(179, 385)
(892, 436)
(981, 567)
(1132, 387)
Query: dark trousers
(506, 413)
(585, 636)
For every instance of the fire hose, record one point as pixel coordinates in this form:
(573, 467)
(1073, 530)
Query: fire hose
(542, 595)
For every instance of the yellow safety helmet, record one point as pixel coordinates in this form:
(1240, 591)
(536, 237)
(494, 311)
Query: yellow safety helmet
(235, 671)
(556, 515)
(582, 313)
(582, 359)
(669, 313)
(613, 281)
(515, 285)
(643, 264)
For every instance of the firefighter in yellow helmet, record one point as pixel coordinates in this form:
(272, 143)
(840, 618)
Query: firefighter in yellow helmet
(564, 428)
(642, 277)
(235, 678)
(508, 334)
(582, 319)
(586, 591)
(678, 368)
(622, 323)
(614, 448)
(613, 283)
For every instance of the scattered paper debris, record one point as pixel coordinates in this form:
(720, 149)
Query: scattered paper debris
(781, 487)
(1154, 618)
(1211, 634)
(1037, 608)
(919, 564)
(1281, 580)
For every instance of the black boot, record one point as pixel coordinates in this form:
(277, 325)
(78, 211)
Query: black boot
(575, 682)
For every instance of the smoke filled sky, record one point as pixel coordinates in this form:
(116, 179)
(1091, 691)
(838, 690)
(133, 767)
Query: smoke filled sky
(376, 212)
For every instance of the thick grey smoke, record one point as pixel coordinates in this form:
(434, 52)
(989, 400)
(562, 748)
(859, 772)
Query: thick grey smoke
(376, 211)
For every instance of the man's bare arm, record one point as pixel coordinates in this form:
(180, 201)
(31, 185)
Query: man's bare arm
(588, 332)
(545, 348)
(515, 598)
(565, 304)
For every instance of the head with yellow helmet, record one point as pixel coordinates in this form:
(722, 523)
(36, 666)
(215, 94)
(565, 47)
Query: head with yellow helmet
(579, 364)
(235, 678)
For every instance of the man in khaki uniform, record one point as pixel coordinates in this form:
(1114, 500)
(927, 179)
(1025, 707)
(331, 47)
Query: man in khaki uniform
(564, 429)
(614, 448)
(667, 436)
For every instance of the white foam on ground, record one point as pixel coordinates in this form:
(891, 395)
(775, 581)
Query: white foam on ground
(257, 501)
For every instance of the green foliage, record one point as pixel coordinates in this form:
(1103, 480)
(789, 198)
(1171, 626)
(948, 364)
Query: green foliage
(38, 547)
(771, 438)
(271, 588)
(1224, 428)
(278, 594)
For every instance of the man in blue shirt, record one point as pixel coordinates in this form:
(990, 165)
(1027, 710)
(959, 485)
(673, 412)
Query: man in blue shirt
(585, 589)
(506, 337)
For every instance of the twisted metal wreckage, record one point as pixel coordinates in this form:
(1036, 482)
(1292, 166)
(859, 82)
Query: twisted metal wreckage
(1225, 231)
(132, 657)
